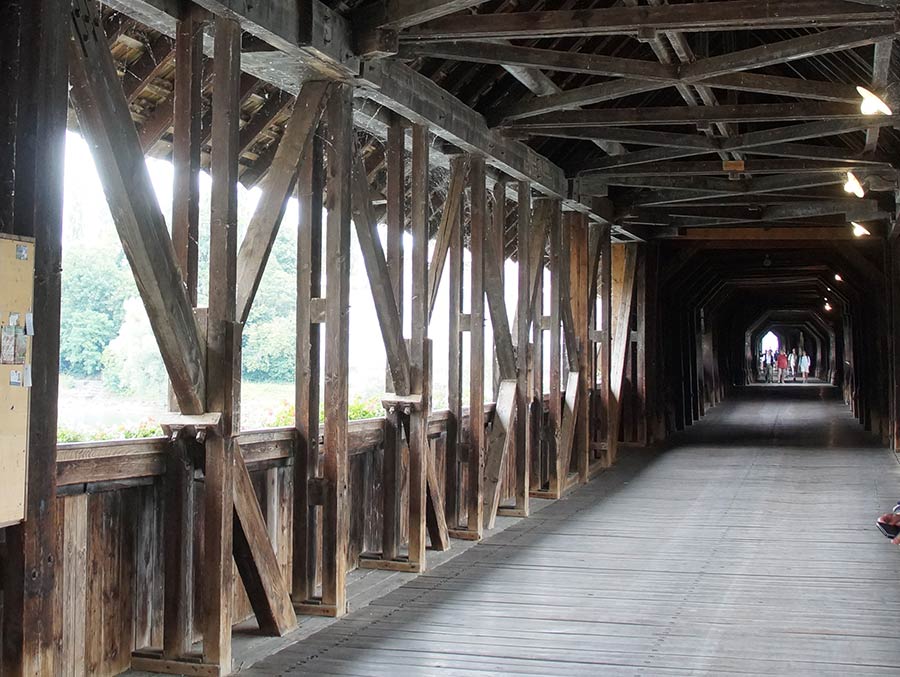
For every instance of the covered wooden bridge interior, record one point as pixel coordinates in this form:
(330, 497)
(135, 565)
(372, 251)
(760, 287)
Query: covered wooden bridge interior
(677, 169)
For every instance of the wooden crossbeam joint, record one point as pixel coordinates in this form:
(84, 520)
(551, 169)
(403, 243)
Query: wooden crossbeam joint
(196, 427)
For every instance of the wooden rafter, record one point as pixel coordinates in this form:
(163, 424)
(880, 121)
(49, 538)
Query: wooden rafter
(737, 15)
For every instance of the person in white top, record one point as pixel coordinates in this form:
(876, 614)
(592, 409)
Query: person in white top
(792, 363)
(804, 365)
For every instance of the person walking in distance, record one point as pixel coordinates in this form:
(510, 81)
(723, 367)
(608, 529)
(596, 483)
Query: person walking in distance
(792, 364)
(804, 365)
(782, 366)
(769, 362)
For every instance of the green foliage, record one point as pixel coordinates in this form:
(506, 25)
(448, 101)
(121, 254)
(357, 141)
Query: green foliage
(95, 286)
(269, 354)
(142, 430)
(360, 408)
(131, 362)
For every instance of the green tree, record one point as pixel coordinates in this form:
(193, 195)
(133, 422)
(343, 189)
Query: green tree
(95, 286)
(269, 354)
(131, 362)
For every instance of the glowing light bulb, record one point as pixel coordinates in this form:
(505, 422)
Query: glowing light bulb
(838, 278)
(859, 229)
(871, 103)
(853, 186)
(827, 306)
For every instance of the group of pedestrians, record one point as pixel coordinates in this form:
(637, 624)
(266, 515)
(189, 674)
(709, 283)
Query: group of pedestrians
(778, 367)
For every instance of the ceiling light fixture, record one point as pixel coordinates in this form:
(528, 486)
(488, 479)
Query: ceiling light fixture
(827, 306)
(859, 230)
(853, 186)
(838, 278)
(872, 104)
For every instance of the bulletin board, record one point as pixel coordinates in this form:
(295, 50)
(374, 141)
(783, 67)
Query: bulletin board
(16, 330)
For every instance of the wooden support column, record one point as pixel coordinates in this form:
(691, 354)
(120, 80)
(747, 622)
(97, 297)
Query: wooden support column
(31, 629)
(603, 351)
(222, 350)
(9, 84)
(418, 353)
(641, 352)
(478, 230)
(556, 482)
(543, 211)
(178, 609)
(310, 189)
(336, 508)
(579, 295)
(523, 326)
(624, 264)
(455, 446)
(186, 145)
(393, 432)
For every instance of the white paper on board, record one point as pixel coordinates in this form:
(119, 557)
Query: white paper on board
(27, 383)
(29, 324)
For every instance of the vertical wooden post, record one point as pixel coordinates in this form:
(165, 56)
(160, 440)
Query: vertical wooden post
(186, 145)
(556, 482)
(454, 382)
(310, 187)
(179, 533)
(31, 631)
(478, 228)
(418, 423)
(579, 294)
(537, 454)
(336, 511)
(9, 84)
(497, 232)
(640, 354)
(523, 318)
(603, 353)
(223, 356)
(396, 207)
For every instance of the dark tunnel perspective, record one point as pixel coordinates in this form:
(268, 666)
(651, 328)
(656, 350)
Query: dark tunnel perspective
(718, 300)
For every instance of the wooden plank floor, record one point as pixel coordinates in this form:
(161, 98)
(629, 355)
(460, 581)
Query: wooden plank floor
(748, 547)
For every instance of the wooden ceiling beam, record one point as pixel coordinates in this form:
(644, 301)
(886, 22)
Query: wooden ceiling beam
(749, 167)
(400, 14)
(718, 16)
(545, 59)
(804, 47)
(687, 115)
(320, 39)
(705, 188)
(597, 184)
(881, 71)
(768, 142)
(782, 86)
(770, 235)
(696, 72)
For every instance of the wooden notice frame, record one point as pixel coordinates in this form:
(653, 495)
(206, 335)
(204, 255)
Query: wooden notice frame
(16, 328)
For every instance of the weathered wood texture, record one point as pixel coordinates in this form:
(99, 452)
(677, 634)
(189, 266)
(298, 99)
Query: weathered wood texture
(29, 564)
